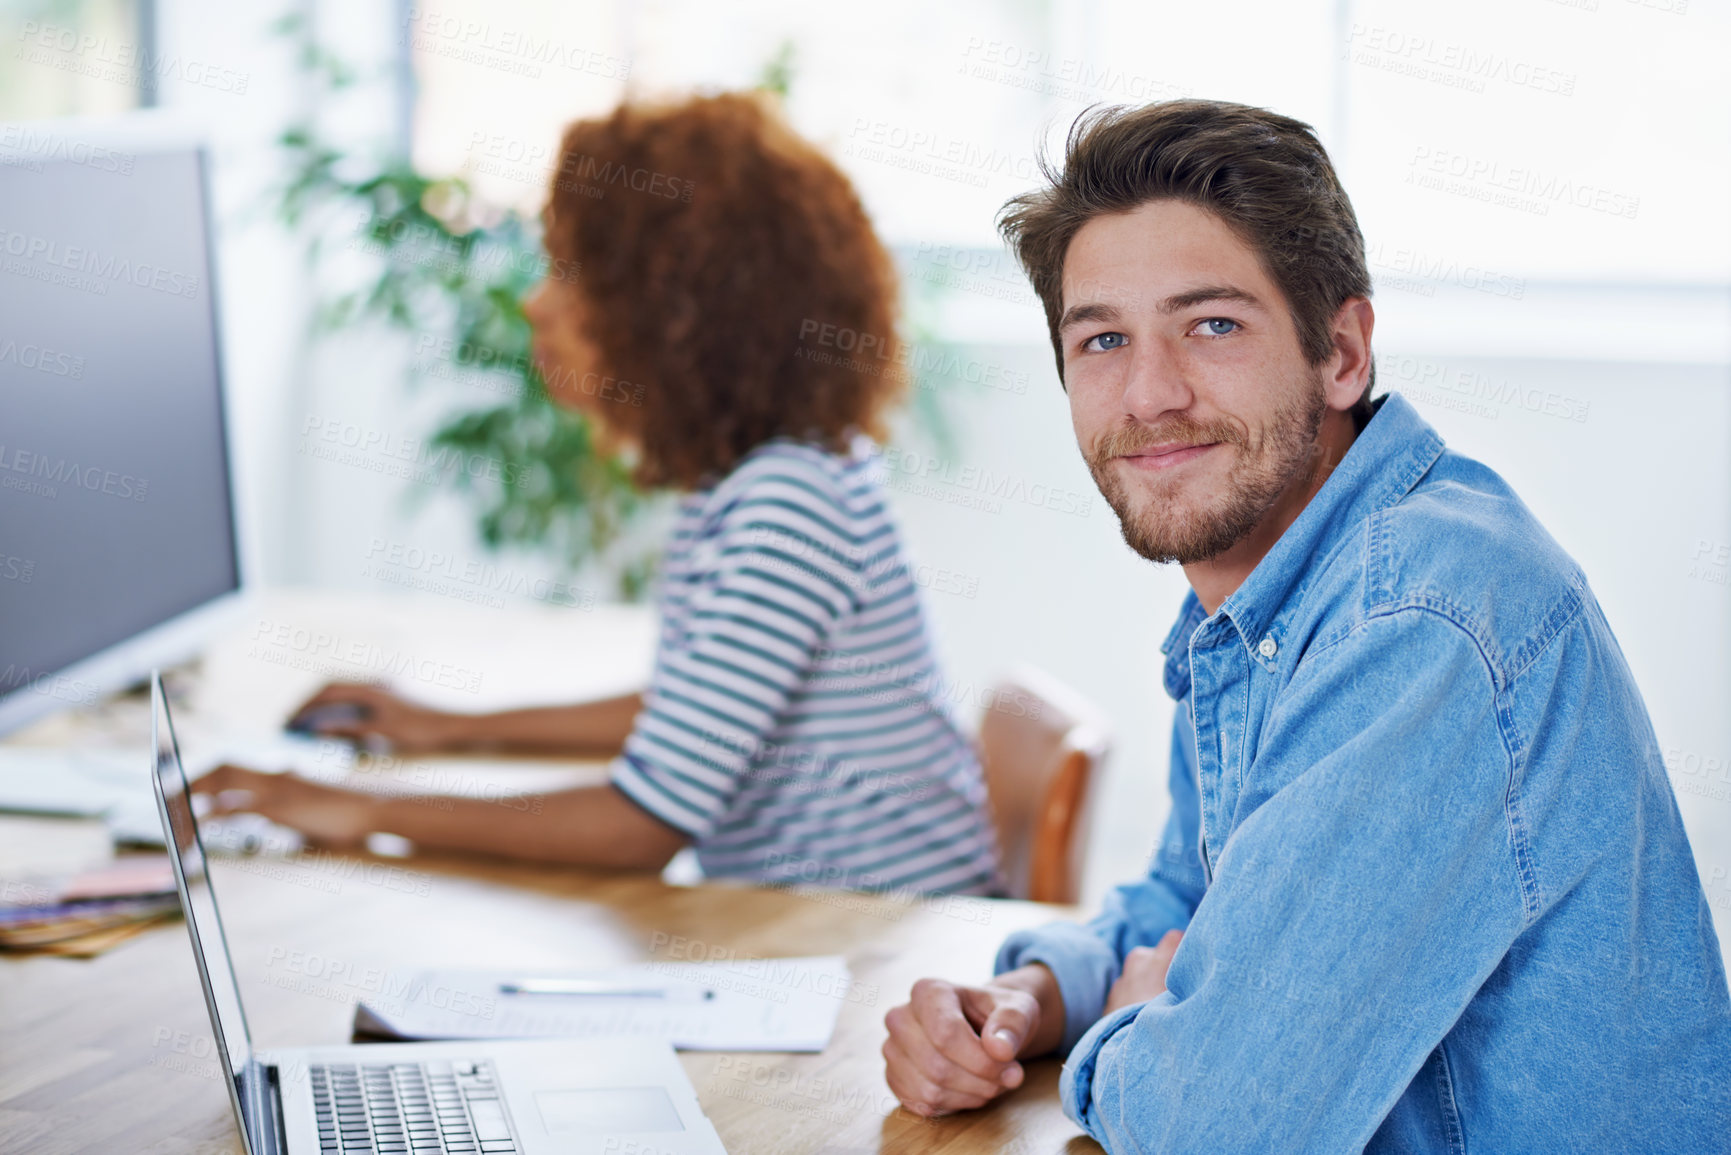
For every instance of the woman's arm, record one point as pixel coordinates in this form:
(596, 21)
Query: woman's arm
(361, 712)
(594, 728)
(584, 826)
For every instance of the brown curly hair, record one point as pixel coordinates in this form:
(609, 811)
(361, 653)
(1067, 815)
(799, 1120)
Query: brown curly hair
(729, 271)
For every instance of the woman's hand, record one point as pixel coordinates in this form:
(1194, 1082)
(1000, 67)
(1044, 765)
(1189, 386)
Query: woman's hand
(327, 815)
(369, 715)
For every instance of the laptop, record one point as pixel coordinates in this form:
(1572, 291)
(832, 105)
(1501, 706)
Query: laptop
(525, 1097)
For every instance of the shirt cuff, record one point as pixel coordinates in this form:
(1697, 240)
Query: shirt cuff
(632, 780)
(1076, 1084)
(1084, 966)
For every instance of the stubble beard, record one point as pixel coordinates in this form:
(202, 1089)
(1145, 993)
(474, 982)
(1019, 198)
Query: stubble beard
(1176, 524)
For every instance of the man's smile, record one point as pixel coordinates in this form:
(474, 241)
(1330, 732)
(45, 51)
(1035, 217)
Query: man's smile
(1167, 456)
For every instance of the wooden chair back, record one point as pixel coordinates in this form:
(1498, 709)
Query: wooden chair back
(1041, 746)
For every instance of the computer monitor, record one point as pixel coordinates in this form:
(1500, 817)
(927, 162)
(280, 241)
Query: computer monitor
(119, 548)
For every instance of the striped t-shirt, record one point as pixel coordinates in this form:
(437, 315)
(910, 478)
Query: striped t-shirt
(795, 726)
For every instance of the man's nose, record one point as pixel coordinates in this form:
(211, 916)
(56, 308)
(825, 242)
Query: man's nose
(1156, 384)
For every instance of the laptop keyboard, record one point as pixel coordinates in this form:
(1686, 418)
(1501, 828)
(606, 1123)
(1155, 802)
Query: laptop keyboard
(410, 1109)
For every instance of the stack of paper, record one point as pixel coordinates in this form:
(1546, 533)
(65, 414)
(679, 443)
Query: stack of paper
(86, 913)
(114, 784)
(755, 1004)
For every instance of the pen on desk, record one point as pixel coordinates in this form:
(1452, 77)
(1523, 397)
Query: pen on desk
(600, 988)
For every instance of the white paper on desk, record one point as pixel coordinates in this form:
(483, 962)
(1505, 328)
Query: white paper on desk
(114, 782)
(763, 1004)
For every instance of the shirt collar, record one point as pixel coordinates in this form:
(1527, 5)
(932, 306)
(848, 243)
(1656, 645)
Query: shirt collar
(1176, 647)
(1389, 456)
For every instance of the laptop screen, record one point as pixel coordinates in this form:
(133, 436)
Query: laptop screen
(203, 921)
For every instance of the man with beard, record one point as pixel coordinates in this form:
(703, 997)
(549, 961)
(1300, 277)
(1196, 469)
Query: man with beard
(1424, 885)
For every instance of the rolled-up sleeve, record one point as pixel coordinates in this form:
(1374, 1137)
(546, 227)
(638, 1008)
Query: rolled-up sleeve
(781, 575)
(1086, 959)
(1350, 919)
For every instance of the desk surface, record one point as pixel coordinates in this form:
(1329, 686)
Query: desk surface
(115, 1053)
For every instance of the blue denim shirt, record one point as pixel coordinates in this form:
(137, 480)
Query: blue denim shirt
(1435, 889)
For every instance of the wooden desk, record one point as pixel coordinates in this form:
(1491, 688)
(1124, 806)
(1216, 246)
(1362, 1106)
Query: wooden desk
(115, 1054)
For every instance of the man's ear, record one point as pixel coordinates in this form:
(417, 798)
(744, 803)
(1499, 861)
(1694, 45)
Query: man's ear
(1347, 371)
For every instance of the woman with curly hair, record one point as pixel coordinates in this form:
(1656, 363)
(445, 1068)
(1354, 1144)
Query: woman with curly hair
(731, 331)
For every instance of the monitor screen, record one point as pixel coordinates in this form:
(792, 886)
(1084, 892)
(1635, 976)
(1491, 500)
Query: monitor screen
(116, 514)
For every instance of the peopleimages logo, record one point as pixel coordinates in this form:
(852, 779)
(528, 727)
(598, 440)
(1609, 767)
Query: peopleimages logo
(1453, 65)
(29, 141)
(931, 153)
(67, 49)
(50, 472)
(283, 643)
(517, 51)
(1515, 186)
(467, 579)
(104, 267)
(927, 474)
(873, 353)
(396, 455)
(49, 683)
(40, 358)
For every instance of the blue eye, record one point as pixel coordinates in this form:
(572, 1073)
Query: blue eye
(1213, 326)
(1105, 341)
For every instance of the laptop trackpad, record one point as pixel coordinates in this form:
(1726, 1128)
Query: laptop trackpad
(607, 1111)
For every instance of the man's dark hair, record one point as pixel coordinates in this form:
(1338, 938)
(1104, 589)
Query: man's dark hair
(1265, 175)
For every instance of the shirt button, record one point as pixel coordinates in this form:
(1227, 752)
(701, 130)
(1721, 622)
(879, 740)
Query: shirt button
(1268, 648)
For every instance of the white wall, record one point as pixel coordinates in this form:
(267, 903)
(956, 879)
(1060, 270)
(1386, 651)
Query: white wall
(1624, 311)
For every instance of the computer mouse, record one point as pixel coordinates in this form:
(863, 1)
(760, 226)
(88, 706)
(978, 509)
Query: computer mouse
(314, 719)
